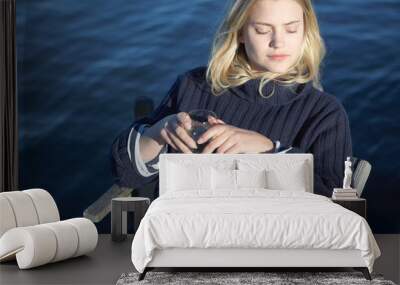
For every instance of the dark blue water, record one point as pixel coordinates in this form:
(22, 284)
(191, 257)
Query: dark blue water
(81, 64)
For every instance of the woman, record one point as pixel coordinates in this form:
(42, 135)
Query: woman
(262, 81)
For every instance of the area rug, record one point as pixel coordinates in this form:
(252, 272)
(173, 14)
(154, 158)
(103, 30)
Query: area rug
(243, 278)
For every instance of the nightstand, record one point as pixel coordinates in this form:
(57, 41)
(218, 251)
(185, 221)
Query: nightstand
(119, 208)
(358, 205)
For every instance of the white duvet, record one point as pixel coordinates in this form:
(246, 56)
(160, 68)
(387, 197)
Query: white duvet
(251, 218)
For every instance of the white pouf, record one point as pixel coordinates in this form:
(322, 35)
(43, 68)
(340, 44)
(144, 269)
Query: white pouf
(41, 244)
(31, 230)
(45, 205)
(23, 209)
(7, 219)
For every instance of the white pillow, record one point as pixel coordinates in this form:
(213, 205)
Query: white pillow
(293, 178)
(188, 177)
(251, 178)
(230, 179)
(284, 174)
(223, 179)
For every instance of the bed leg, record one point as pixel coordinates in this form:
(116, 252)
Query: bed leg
(364, 271)
(143, 274)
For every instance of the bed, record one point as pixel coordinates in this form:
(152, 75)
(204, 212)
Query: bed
(247, 210)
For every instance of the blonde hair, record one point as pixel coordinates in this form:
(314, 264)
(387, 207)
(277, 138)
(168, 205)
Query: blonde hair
(228, 65)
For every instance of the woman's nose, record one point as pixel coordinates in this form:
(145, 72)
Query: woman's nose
(277, 40)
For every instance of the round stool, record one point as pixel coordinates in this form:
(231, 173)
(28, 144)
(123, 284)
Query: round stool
(119, 208)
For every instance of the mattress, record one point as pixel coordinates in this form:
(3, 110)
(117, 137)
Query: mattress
(251, 218)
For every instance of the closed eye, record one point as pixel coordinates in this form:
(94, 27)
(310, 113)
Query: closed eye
(292, 29)
(262, 32)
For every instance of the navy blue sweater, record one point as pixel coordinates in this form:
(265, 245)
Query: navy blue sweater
(309, 120)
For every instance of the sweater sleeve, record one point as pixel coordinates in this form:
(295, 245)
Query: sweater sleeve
(124, 168)
(145, 168)
(330, 148)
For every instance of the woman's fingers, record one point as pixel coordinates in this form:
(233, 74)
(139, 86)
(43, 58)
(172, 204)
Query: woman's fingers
(181, 127)
(184, 136)
(218, 142)
(175, 132)
(181, 146)
(184, 119)
(166, 137)
(233, 150)
(212, 132)
(212, 120)
(224, 147)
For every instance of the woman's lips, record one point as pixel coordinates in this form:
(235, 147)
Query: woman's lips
(278, 57)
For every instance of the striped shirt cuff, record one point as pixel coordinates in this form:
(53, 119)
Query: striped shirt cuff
(151, 167)
(279, 148)
(285, 150)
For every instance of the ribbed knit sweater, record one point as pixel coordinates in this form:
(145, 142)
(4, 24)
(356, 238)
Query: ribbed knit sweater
(307, 119)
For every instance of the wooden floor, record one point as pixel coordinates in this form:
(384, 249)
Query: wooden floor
(110, 259)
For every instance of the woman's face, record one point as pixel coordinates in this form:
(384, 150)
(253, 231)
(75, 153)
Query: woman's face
(274, 27)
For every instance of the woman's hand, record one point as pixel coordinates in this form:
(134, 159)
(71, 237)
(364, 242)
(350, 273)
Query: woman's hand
(173, 130)
(229, 139)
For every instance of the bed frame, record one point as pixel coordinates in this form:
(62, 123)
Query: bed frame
(246, 259)
(249, 259)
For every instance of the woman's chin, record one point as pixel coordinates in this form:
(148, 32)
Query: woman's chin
(277, 68)
(271, 67)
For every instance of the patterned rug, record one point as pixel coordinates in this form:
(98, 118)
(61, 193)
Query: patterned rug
(243, 278)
